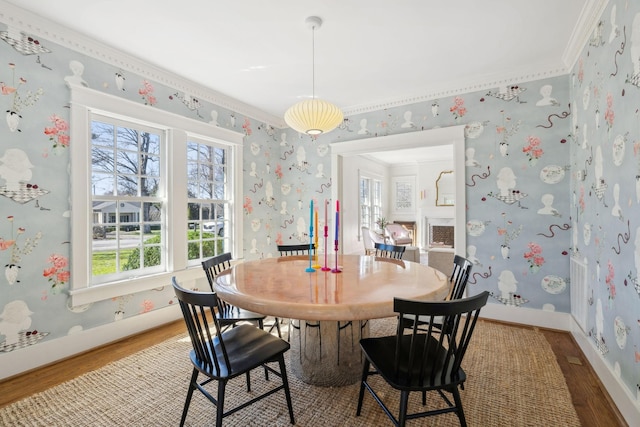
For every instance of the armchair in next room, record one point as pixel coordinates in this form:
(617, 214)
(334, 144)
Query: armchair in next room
(397, 234)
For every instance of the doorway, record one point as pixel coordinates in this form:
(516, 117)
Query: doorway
(453, 135)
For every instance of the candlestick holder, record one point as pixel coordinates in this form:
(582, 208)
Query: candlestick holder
(326, 235)
(336, 269)
(310, 269)
(316, 265)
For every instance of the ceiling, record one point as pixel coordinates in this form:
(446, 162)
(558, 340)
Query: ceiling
(413, 155)
(369, 54)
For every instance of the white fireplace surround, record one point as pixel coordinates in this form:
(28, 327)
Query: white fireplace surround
(435, 221)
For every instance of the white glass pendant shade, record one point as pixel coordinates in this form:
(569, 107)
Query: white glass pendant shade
(313, 116)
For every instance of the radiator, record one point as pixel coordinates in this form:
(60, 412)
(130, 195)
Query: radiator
(579, 292)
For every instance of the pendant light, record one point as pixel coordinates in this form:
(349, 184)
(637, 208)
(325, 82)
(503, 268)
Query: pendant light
(313, 116)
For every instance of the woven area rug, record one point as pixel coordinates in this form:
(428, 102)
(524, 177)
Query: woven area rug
(513, 380)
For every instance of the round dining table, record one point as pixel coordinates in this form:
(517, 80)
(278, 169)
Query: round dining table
(329, 311)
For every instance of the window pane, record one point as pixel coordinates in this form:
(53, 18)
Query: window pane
(151, 144)
(102, 134)
(152, 255)
(193, 211)
(149, 185)
(129, 258)
(219, 156)
(102, 160)
(194, 250)
(127, 139)
(219, 191)
(101, 184)
(104, 263)
(127, 185)
(127, 162)
(152, 165)
(208, 210)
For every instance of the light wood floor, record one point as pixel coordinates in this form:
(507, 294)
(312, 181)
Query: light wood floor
(592, 402)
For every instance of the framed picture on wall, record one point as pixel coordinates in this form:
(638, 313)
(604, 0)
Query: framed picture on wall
(403, 194)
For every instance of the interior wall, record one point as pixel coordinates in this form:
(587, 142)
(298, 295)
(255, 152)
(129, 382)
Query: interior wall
(605, 196)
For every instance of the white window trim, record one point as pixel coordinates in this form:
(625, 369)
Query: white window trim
(372, 176)
(83, 102)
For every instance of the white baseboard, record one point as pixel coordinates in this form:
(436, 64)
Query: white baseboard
(628, 405)
(47, 352)
(527, 316)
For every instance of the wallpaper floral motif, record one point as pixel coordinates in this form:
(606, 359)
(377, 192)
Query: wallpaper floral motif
(552, 171)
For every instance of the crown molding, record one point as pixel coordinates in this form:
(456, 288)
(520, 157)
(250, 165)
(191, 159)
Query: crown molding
(30, 23)
(461, 87)
(589, 18)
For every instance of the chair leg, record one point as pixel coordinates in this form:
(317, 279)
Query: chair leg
(220, 405)
(365, 374)
(248, 374)
(404, 400)
(192, 387)
(460, 411)
(276, 324)
(266, 371)
(287, 392)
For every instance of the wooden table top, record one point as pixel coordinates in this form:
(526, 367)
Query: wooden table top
(365, 289)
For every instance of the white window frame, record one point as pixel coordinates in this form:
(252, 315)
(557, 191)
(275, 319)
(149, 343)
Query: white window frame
(84, 101)
(372, 178)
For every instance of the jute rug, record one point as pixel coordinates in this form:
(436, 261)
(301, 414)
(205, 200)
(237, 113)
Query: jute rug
(513, 380)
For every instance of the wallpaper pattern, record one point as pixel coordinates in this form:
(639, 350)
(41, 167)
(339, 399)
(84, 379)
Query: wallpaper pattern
(605, 186)
(552, 172)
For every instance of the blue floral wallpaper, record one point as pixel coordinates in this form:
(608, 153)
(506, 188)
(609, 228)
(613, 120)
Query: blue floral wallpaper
(552, 169)
(605, 186)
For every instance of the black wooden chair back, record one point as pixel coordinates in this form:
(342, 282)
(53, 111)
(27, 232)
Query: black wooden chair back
(212, 267)
(222, 355)
(228, 314)
(423, 359)
(389, 251)
(458, 282)
(459, 276)
(292, 250)
(216, 265)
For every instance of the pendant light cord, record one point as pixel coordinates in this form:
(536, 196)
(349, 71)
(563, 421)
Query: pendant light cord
(313, 62)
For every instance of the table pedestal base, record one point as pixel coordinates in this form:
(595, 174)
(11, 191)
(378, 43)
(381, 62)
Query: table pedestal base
(327, 353)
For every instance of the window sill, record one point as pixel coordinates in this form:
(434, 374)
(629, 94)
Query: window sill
(110, 290)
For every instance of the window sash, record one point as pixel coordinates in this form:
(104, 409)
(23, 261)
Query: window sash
(208, 206)
(122, 148)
